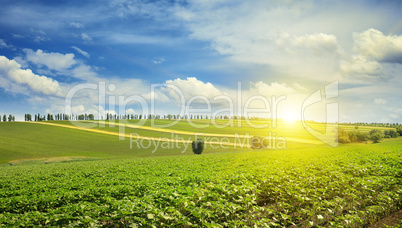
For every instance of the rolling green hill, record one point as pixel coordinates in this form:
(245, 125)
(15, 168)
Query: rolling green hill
(44, 140)
(22, 140)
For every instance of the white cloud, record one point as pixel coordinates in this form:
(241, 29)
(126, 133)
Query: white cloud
(316, 43)
(79, 50)
(54, 61)
(361, 66)
(158, 60)
(380, 101)
(274, 34)
(76, 25)
(274, 89)
(84, 72)
(374, 44)
(191, 87)
(41, 84)
(3, 44)
(376, 57)
(129, 38)
(86, 37)
(130, 111)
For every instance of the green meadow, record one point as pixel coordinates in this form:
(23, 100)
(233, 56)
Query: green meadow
(56, 174)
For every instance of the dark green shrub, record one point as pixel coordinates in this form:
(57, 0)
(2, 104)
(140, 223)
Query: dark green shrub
(399, 130)
(373, 131)
(198, 146)
(362, 136)
(376, 137)
(390, 133)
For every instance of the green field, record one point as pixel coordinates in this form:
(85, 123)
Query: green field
(61, 176)
(19, 140)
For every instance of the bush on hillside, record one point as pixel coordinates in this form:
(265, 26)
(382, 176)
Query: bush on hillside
(376, 137)
(198, 146)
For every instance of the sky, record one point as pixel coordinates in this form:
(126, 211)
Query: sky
(286, 59)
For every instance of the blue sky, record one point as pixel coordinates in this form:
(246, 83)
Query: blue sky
(204, 48)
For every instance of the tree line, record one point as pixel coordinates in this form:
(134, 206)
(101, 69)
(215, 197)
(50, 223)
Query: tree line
(60, 116)
(9, 118)
(374, 135)
(175, 117)
(391, 125)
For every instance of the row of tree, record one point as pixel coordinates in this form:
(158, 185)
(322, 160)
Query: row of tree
(5, 119)
(372, 124)
(39, 117)
(60, 116)
(374, 135)
(170, 116)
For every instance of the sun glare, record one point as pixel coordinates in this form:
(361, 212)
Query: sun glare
(290, 117)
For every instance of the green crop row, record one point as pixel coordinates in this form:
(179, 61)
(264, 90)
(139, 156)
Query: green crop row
(348, 186)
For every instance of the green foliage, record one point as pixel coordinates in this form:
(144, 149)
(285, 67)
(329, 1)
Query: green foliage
(399, 130)
(348, 186)
(197, 146)
(376, 137)
(352, 136)
(373, 131)
(390, 133)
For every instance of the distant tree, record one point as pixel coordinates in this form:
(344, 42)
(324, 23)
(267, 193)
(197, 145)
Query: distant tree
(10, 118)
(91, 117)
(376, 137)
(197, 146)
(4, 118)
(399, 130)
(81, 117)
(390, 133)
(362, 136)
(374, 131)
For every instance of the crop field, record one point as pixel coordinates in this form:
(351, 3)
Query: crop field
(74, 177)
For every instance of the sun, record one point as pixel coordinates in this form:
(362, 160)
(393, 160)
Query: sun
(290, 117)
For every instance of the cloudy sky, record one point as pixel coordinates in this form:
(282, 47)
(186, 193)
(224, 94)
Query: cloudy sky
(209, 50)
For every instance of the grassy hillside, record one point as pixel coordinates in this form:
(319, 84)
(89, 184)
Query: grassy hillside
(19, 140)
